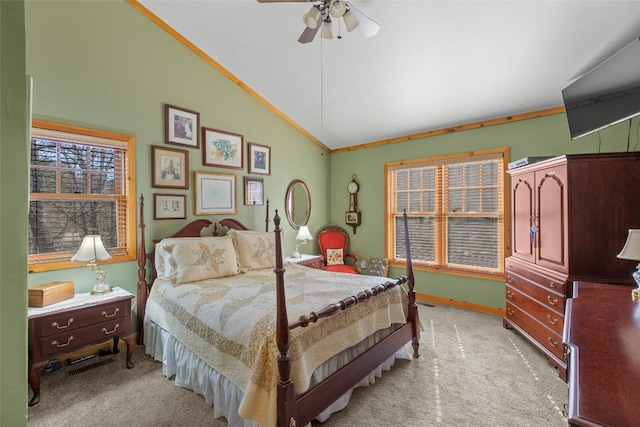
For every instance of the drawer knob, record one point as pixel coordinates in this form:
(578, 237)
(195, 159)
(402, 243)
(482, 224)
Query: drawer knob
(59, 326)
(105, 314)
(57, 344)
(510, 294)
(115, 328)
(510, 279)
(553, 285)
(553, 301)
(552, 342)
(552, 320)
(509, 311)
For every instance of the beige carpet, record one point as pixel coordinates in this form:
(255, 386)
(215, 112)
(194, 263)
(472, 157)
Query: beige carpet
(472, 372)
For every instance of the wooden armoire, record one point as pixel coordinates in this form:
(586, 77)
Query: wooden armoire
(570, 216)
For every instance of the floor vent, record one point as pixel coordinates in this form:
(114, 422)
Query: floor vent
(87, 367)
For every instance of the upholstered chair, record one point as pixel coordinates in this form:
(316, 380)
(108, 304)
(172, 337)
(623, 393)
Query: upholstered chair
(333, 242)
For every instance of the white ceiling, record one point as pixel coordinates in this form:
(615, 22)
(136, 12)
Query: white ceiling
(432, 65)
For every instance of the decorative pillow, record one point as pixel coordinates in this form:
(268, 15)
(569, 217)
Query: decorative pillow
(164, 262)
(254, 249)
(378, 266)
(204, 259)
(334, 257)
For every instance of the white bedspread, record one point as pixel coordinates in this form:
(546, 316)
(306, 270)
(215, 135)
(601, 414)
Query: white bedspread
(230, 324)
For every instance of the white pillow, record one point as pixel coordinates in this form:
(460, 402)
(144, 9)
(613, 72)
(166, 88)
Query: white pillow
(204, 259)
(254, 249)
(164, 262)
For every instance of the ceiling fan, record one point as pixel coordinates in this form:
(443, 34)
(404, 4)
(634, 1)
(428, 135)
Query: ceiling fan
(321, 13)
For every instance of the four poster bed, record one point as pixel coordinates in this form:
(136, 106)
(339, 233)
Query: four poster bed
(211, 314)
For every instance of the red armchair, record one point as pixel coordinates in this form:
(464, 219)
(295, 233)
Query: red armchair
(333, 242)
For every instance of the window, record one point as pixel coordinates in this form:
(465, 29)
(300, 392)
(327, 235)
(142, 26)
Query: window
(79, 184)
(455, 212)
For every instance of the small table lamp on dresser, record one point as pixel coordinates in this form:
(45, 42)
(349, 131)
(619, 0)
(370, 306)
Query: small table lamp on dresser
(631, 250)
(303, 235)
(90, 250)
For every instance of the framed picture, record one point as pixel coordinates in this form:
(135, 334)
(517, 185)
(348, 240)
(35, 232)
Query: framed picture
(253, 191)
(169, 206)
(170, 167)
(222, 149)
(259, 159)
(215, 193)
(181, 126)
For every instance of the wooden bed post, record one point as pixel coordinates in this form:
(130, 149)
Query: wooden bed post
(142, 272)
(286, 395)
(412, 312)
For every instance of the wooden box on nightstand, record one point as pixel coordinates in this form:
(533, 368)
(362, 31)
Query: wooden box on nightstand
(50, 293)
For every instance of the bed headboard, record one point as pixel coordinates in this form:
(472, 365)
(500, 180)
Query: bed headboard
(193, 229)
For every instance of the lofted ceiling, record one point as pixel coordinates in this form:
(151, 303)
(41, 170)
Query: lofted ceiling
(432, 65)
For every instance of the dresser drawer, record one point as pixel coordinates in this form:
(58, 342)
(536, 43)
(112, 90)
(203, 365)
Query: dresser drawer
(555, 284)
(546, 316)
(545, 296)
(79, 337)
(71, 320)
(543, 335)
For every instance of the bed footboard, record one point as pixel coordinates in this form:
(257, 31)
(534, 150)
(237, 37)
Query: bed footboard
(302, 409)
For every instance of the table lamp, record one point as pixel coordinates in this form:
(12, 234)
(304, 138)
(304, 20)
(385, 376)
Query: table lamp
(92, 249)
(303, 235)
(631, 250)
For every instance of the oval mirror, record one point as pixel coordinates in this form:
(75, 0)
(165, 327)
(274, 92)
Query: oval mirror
(297, 203)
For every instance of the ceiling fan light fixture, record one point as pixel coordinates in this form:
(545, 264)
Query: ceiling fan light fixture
(327, 32)
(337, 8)
(350, 21)
(311, 18)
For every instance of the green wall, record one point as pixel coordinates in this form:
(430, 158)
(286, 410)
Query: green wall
(541, 136)
(14, 166)
(104, 65)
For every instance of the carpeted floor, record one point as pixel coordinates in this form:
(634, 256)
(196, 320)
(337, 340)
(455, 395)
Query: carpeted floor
(472, 372)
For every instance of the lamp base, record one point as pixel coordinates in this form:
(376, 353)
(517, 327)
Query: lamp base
(295, 253)
(635, 294)
(101, 289)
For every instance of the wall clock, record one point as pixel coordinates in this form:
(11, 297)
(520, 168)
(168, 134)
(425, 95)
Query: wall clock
(353, 217)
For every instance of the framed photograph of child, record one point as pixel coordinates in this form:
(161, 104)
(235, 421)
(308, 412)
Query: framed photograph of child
(170, 167)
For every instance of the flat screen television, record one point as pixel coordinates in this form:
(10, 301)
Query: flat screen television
(606, 95)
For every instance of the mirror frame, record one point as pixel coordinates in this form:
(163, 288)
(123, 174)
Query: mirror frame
(288, 201)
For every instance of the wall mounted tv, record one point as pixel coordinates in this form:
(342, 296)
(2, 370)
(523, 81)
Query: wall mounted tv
(606, 95)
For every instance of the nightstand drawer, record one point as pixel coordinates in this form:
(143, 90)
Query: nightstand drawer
(70, 340)
(75, 319)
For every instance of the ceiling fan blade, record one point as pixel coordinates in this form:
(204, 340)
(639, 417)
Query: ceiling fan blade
(309, 34)
(366, 26)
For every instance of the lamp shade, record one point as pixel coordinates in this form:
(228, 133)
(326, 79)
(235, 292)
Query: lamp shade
(327, 32)
(350, 21)
(311, 18)
(91, 249)
(631, 249)
(304, 233)
(337, 8)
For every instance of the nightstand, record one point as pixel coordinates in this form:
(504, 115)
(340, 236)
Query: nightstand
(75, 323)
(313, 261)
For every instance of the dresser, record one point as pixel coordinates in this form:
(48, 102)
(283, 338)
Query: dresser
(75, 323)
(313, 261)
(570, 217)
(602, 337)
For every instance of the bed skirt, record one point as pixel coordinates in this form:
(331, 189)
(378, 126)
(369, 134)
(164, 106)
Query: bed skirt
(190, 372)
